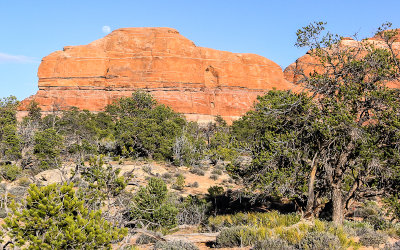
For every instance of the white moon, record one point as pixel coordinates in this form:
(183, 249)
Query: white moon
(106, 29)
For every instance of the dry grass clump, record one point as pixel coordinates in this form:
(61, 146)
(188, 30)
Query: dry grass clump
(279, 231)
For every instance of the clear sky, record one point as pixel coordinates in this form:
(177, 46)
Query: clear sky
(32, 29)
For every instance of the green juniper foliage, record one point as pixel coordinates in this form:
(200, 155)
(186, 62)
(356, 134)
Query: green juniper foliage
(47, 148)
(10, 141)
(337, 143)
(279, 133)
(143, 128)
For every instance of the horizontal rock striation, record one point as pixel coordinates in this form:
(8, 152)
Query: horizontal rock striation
(198, 82)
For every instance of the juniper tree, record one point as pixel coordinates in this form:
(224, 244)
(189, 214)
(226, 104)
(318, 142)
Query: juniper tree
(144, 128)
(10, 141)
(339, 141)
(48, 145)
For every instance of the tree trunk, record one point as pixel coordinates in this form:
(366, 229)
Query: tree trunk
(311, 195)
(337, 200)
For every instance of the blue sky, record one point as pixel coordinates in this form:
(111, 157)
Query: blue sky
(31, 29)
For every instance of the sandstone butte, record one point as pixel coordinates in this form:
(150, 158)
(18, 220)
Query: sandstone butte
(198, 82)
(309, 64)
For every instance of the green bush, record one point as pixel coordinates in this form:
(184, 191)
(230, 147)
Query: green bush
(216, 172)
(241, 236)
(319, 240)
(48, 145)
(373, 238)
(24, 182)
(214, 177)
(152, 207)
(10, 172)
(143, 239)
(52, 217)
(166, 176)
(245, 227)
(343, 233)
(378, 222)
(356, 225)
(393, 205)
(143, 128)
(270, 220)
(293, 234)
(273, 244)
(179, 183)
(221, 146)
(230, 237)
(11, 142)
(175, 245)
(197, 171)
(374, 215)
(17, 193)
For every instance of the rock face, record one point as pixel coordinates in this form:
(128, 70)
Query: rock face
(198, 82)
(309, 64)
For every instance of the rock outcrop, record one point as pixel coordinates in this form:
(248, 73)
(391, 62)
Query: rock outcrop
(308, 64)
(198, 82)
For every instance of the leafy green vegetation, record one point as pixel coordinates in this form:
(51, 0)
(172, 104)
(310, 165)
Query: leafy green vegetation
(144, 129)
(47, 148)
(101, 182)
(152, 207)
(10, 172)
(54, 217)
(336, 144)
(179, 183)
(325, 152)
(268, 220)
(273, 228)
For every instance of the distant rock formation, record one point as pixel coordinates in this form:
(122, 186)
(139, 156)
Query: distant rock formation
(309, 64)
(198, 82)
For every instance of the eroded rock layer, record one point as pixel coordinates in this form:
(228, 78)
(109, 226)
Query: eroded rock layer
(198, 82)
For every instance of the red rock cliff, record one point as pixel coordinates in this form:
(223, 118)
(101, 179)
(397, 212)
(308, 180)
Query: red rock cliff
(198, 82)
(308, 64)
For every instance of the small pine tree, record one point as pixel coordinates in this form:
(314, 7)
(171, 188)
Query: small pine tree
(54, 218)
(152, 207)
(180, 182)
